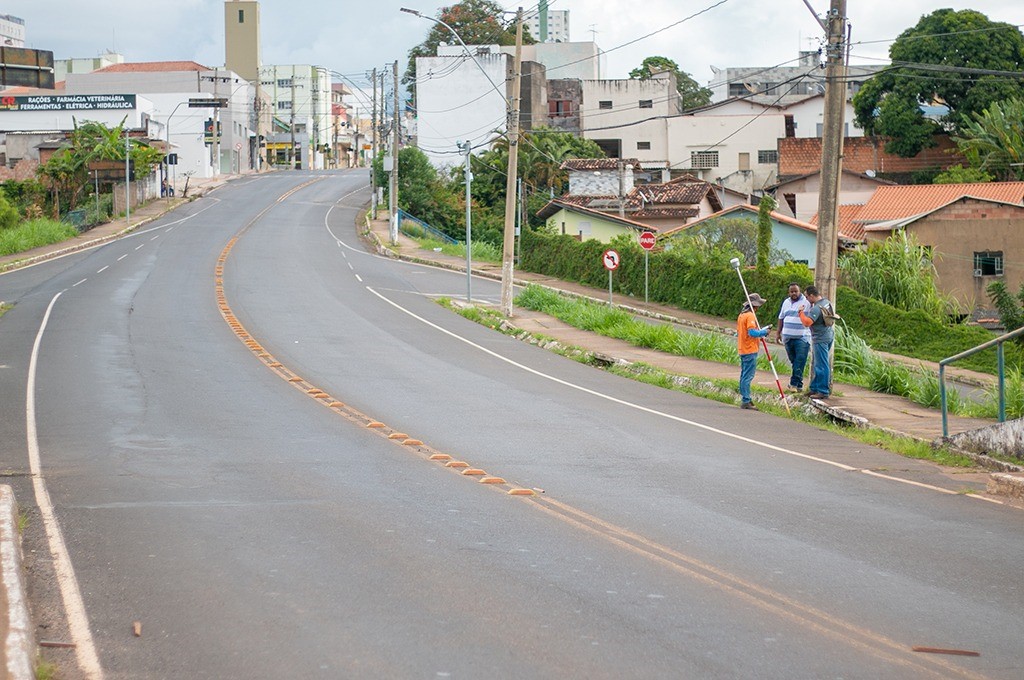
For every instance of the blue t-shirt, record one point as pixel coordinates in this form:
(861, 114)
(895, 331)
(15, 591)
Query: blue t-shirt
(789, 319)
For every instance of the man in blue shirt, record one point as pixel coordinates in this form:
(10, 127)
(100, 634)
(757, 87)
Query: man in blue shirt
(792, 334)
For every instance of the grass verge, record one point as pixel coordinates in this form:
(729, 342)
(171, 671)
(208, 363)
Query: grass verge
(34, 233)
(724, 391)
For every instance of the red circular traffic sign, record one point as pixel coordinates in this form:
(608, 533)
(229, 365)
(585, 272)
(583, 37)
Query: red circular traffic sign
(647, 240)
(610, 259)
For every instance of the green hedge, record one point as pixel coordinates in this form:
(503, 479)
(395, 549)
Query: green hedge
(708, 284)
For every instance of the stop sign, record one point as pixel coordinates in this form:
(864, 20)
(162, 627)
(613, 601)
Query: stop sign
(647, 240)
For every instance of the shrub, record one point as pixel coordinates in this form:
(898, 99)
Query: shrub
(9, 217)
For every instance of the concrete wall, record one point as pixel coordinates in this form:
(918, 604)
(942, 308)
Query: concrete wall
(730, 136)
(621, 122)
(600, 182)
(958, 231)
(456, 102)
(581, 60)
(566, 90)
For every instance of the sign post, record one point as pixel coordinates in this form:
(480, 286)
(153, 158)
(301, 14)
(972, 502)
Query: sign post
(610, 260)
(647, 241)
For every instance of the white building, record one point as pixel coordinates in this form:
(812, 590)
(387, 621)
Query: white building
(170, 86)
(300, 95)
(627, 117)
(62, 67)
(804, 117)
(460, 99)
(783, 84)
(12, 31)
(581, 60)
(556, 26)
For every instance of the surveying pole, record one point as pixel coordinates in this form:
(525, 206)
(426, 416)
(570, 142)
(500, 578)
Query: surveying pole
(508, 247)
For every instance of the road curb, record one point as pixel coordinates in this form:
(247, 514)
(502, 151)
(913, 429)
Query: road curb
(19, 647)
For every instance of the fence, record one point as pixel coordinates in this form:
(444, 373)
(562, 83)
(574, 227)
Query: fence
(417, 228)
(1000, 367)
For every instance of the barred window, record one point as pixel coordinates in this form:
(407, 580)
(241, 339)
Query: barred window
(988, 263)
(643, 146)
(768, 156)
(646, 103)
(701, 160)
(605, 104)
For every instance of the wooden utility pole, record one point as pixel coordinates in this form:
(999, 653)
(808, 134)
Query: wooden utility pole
(508, 246)
(394, 161)
(826, 257)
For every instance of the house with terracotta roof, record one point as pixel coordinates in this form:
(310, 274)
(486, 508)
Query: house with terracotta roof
(796, 237)
(797, 196)
(563, 216)
(976, 232)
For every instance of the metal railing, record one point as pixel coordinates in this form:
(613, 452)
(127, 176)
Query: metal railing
(1000, 362)
(420, 229)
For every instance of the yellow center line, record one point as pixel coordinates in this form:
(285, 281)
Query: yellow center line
(768, 600)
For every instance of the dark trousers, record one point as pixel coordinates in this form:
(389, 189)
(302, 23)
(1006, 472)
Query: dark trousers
(797, 350)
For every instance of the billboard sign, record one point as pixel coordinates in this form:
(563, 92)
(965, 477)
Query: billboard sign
(66, 102)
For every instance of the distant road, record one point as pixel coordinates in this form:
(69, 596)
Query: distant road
(254, 531)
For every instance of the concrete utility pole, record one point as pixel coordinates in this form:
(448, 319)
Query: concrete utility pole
(373, 150)
(394, 161)
(509, 242)
(468, 149)
(291, 125)
(826, 256)
(216, 124)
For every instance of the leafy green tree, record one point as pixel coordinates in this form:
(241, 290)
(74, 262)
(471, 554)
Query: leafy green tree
(1011, 315)
(421, 192)
(958, 174)
(731, 235)
(692, 94)
(946, 41)
(478, 22)
(8, 214)
(764, 233)
(993, 140)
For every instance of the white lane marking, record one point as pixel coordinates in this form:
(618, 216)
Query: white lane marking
(359, 278)
(103, 269)
(155, 237)
(80, 282)
(662, 414)
(139, 246)
(170, 229)
(122, 257)
(350, 266)
(99, 245)
(78, 622)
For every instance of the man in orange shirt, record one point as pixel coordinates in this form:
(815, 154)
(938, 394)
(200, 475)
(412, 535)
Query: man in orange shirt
(747, 334)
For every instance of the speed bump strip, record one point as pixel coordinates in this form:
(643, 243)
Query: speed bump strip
(412, 442)
(398, 435)
(492, 480)
(474, 472)
(521, 492)
(456, 464)
(375, 423)
(440, 456)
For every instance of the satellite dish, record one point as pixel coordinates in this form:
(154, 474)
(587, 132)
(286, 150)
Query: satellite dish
(869, 173)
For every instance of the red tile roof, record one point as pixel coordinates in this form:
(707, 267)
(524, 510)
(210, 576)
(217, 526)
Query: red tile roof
(673, 192)
(848, 227)
(154, 66)
(897, 202)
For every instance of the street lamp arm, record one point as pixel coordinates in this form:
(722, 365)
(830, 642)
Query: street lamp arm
(464, 47)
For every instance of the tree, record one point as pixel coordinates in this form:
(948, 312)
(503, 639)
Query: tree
(733, 235)
(939, 60)
(1011, 314)
(958, 174)
(691, 93)
(993, 140)
(764, 233)
(478, 22)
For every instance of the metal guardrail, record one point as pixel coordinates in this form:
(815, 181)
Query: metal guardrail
(420, 229)
(1000, 362)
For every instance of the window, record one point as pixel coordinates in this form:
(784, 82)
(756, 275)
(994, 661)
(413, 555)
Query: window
(606, 104)
(988, 263)
(646, 103)
(284, 105)
(768, 156)
(284, 82)
(700, 160)
(737, 89)
(743, 161)
(559, 108)
(241, 16)
(643, 146)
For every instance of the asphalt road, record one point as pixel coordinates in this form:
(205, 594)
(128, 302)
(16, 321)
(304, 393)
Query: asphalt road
(251, 532)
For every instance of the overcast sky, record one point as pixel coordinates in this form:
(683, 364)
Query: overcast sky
(353, 36)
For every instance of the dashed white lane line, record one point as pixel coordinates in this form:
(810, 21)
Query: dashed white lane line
(139, 246)
(80, 282)
(122, 257)
(155, 237)
(71, 594)
(359, 278)
(103, 269)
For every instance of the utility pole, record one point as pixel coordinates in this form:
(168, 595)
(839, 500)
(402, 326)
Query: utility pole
(468, 149)
(259, 123)
(216, 124)
(394, 160)
(291, 125)
(622, 188)
(831, 153)
(509, 242)
(373, 150)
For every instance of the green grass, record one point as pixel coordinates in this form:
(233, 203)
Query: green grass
(5, 307)
(32, 234)
(482, 251)
(45, 670)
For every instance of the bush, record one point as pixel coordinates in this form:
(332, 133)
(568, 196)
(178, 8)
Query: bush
(9, 217)
(32, 234)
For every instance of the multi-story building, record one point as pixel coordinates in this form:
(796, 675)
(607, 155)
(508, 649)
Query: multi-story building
(12, 31)
(626, 118)
(62, 67)
(548, 25)
(300, 97)
(783, 84)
